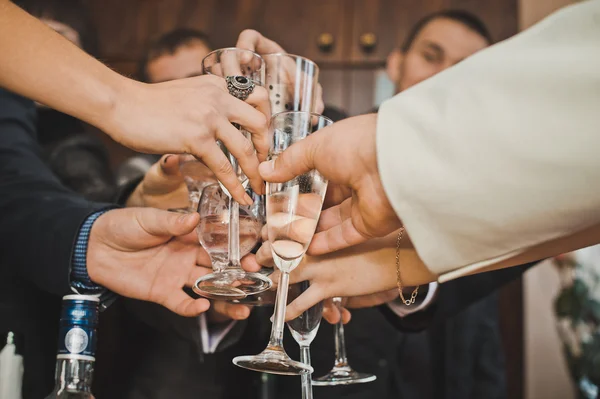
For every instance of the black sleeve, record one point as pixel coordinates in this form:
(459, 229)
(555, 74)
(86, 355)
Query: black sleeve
(455, 296)
(40, 218)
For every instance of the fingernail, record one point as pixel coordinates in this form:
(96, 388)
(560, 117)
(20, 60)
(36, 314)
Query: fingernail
(166, 159)
(266, 168)
(248, 199)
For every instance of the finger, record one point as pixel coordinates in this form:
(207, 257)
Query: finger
(252, 40)
(169, 165)
(231, 310)
(261, 139)
(216, 160)
(264, 255)
(264, 233)
(306, 300)
(163, 223)
(250, 264)
(181, 303)
(335, 195)
(202, 258)
(334, 216)
(297, 159)
(243, 150)
(346, 316)
(195, 273)
(230, 63)
(342, 236)
(245, 115)
(320, 104)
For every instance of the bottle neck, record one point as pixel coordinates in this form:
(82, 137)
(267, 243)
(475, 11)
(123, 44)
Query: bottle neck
(74, 374)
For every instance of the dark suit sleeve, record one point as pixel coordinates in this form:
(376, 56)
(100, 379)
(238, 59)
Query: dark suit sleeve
(455, 296)
(40, 218)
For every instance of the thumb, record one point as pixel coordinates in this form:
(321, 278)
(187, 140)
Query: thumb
(157, 222)
(169, 165)
(297, 159)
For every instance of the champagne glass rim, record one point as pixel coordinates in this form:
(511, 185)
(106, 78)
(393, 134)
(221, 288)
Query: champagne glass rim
(282, 54)
(233, 49)
(315, 114)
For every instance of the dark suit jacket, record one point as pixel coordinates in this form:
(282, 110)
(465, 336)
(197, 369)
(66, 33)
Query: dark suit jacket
(39, 224)
(452, 350)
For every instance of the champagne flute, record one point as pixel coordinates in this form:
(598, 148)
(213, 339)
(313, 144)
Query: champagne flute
(304, 330)
(293, 209)
(342, 373)
(213, 229)
(231, 281)
(291, 81)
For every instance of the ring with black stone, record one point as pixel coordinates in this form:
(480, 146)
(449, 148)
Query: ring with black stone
(240, 86)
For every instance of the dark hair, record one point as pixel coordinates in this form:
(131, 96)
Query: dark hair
(73, 13)
(469, 20)
(169, 43)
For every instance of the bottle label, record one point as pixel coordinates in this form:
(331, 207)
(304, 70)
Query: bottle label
(78, 323)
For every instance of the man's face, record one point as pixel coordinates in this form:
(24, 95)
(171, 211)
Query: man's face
(184, 63)
(439, 45)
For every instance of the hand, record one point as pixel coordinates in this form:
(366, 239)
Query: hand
(189, 115)
(252, 40)
(359, 271)
(344, 153)
(162, 187)
(222, 311)
(148, 254)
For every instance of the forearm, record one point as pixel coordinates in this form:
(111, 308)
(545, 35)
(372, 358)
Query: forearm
(45, 67)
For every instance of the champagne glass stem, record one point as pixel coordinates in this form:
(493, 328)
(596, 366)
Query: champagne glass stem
(306, 377)
(276, 340)
(234, 234)
(341, 360)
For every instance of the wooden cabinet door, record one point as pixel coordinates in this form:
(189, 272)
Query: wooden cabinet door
(378, 26)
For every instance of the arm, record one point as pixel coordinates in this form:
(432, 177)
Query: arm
(494, 162)
(41, 218)
(171, 117)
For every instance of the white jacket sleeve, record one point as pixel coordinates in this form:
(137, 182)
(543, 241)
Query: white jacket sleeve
(501, 152)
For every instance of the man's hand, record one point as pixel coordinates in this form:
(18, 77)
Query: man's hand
(162, 187)
(345, 154)
(188, 116)
(148, 254)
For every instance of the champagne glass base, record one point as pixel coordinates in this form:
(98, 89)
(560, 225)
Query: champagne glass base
(343, 376)
(273, 361)
(232, 284)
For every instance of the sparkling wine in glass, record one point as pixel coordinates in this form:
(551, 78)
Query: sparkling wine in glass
(293, 209)
(304, 330)
(232, 282)
(342, 373)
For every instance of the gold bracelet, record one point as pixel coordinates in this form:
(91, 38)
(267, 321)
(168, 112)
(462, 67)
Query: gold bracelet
(413, 296)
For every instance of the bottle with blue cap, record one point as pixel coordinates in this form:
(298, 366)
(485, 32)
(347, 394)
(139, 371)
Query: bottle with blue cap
(76, 348)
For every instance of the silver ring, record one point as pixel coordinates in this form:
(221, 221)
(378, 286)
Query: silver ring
(240, 86)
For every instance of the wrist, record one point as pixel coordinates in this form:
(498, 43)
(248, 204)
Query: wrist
(81, 281)
(112, 118)
(94, 251)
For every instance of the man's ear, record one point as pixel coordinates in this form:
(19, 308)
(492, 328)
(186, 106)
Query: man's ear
(394, 64)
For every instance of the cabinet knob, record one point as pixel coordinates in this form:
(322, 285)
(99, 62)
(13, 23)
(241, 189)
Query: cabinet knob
(325, 41)
(368, 42)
